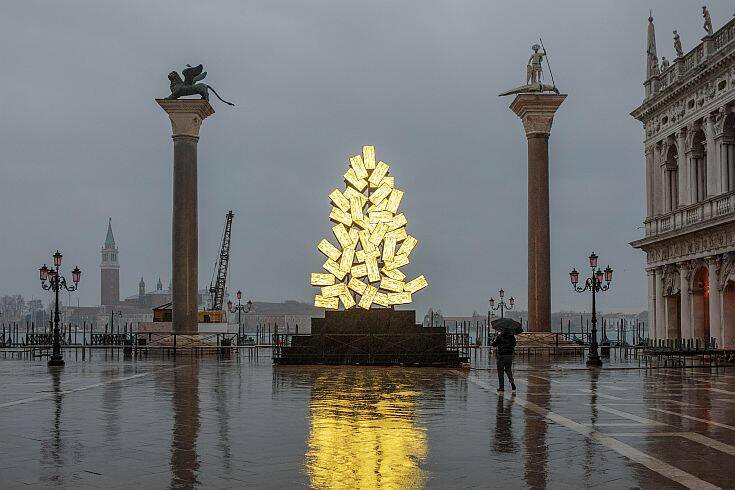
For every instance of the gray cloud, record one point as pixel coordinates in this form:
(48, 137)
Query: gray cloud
(82, 138)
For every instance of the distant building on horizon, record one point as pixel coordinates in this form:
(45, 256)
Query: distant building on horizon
(109, 270)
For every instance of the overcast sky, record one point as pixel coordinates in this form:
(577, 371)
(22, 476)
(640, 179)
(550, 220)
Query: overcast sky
(82, 138)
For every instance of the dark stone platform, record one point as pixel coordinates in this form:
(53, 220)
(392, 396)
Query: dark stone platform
(379, 336)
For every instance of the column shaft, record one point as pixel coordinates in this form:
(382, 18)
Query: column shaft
(184, 252)
(660, 306)
(684, 196)
(539, 270)
(711, 159)
(536, 111)
(715, 325)
(651, 302)
(650, 181)
(687, 329)
(666, 190)
(186, 118)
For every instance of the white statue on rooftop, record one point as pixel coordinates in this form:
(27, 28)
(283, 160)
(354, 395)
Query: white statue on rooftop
(677, 45)
(707, 21)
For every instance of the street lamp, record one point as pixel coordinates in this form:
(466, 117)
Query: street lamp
(55, 283)
(594, 283)
(502, 305)
(240, 308)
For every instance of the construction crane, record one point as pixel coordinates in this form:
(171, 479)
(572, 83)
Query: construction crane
(219, 282)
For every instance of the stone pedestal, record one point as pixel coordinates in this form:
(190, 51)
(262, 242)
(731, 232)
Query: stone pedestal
(377, 337)
(536, 111)
(186, 118)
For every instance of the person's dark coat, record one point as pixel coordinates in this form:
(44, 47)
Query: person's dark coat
(506, 344)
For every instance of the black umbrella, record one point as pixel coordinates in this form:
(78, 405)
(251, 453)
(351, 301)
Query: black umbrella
(506, 325)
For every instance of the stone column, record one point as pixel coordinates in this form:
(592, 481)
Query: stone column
(536, 112)
(715, 325)
(712, 162)
(658, 189)
(186, 117)
(660, 305)
(687, 329)
(650, 180)
(684, 194)
(651, 302)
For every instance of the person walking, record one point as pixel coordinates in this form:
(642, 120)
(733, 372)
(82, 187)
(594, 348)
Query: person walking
(505, 342)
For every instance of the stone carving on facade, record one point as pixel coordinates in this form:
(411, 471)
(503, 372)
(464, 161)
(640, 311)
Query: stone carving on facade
(727, 269)
(664, 63)
(666, 145)
(709, 126)
(671, 281)
(699, 95)
(683, 248)
(686, 270)
(692, 129)
(720, 118)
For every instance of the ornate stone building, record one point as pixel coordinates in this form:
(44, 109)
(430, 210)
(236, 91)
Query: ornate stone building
(689, 118)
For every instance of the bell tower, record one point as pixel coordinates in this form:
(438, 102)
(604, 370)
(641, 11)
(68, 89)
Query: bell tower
(109, 271)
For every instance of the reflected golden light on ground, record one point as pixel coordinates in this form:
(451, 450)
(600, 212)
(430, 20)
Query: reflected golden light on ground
(364, 436)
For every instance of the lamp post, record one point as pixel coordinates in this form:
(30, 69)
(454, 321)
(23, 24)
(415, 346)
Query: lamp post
(240, 308)
(502, 305)
(55, 283)
(594, 284)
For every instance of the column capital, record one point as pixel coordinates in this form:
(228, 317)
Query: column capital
(536, 112)
(186, 115)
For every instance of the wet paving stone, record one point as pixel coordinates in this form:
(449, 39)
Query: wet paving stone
(106, 422)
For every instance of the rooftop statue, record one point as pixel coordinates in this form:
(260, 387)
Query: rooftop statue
(677, 45)
(654, 65)
(534, 71)
(189, 85)
(707, 21)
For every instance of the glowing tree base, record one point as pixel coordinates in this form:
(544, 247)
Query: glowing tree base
(378, 336)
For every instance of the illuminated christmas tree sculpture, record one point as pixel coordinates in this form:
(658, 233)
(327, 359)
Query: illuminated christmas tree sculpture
(365, 269)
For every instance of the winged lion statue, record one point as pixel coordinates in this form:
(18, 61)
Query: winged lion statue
(189, 85)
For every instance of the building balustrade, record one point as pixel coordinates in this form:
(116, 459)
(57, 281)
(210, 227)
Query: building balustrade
(724, 36)
(695, 57)
(713, 208)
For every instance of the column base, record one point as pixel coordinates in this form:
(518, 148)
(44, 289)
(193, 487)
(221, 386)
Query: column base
(56, 361)
(594, 361)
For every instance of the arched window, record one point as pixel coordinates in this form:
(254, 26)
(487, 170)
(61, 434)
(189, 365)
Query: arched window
(671, 178)
(697, 166)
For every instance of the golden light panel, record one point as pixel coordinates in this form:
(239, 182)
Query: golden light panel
(364, 270)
